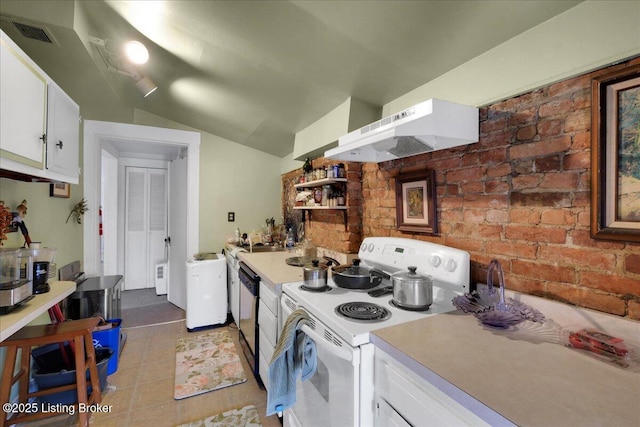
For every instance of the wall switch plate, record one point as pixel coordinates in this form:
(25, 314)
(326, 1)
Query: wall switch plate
(231, 216)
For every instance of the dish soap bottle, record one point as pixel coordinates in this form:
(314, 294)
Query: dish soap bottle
(290, 240)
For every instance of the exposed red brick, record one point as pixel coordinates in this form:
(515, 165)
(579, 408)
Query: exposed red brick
(578, 121)
(548, 199)
(558, 217)
(522, 117)
(566, 180)
(467, 174)
(633, 309)
(493, 201)
(541, 148)
(548, 272)
(556, 107)
(581, 160)
(581, 141)
(496, 186)
(523, 182)
(536, 234)
(474, 215)
(548, 164)
(499, 170)
(549, 128)
(472, 187)
(526, 133)
(524, 216)
(520, 250)
(602, 302)
(610, 283)
(579, 257)
(632, 263)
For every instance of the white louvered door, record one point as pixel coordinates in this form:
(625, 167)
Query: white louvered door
(145, 225)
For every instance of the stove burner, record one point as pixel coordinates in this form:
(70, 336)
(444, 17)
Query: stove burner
(395, 304)
(363, 311)
(322, 289)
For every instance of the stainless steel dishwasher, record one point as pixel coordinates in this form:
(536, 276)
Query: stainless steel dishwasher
(248, 324)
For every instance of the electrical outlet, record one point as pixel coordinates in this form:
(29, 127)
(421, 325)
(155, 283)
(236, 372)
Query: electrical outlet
(231, 216)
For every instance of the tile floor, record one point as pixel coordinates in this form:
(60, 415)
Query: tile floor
(141, 391)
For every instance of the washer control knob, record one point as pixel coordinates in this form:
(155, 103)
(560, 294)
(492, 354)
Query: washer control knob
(450, 265)
(435, 261)
(371, 247)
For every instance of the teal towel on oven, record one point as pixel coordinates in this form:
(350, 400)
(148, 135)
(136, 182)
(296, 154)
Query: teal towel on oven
(294, 355)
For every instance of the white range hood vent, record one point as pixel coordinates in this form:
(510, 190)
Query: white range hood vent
(429, 126)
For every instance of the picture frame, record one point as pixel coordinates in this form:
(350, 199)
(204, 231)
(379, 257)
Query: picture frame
(415, 202)
(615, 155)
(60, 189)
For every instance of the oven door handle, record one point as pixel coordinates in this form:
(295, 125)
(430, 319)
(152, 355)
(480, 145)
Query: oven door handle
(336, 351)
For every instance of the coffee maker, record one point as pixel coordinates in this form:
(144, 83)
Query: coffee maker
(41, 263)
(40, 277)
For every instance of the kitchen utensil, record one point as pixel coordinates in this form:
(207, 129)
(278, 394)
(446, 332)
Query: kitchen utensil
(411, 290)
(355, 276)
(315, 275)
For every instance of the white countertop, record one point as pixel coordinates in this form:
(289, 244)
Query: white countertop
(19, 317)
(272, 268)
(528, 381)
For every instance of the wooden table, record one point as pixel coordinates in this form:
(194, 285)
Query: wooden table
(21, 316)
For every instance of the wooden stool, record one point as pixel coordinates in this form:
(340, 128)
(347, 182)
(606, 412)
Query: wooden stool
(75, 331)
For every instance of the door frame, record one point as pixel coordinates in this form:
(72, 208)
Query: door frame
(95, 134)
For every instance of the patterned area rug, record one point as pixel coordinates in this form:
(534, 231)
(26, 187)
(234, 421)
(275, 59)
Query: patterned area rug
(243, 417)
(206, 362)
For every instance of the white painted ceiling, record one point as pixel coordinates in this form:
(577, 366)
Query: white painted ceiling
(257, 72)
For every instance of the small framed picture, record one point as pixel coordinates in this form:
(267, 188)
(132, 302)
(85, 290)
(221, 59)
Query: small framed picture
(60, 189)
(415, 202)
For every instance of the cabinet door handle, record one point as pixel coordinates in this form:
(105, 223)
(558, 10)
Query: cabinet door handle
(43, 138)
(59, 145)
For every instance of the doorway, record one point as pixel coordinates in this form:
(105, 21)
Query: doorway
(127, 141)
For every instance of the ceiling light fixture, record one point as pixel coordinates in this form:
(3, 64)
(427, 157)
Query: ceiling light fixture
(136, 52)
(146, 86)
(117, 64)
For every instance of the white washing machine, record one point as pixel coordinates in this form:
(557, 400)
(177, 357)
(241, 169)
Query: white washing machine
(206, 292)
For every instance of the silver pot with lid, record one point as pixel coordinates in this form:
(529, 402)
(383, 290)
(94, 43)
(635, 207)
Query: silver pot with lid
(315, 275)
(412, 291)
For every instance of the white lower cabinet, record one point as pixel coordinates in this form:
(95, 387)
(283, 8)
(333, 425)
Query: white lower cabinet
(402, 398)
(268, 327)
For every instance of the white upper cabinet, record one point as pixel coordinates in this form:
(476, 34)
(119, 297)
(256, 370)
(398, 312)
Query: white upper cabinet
(23, 107)
(63, 133)
(39, 123)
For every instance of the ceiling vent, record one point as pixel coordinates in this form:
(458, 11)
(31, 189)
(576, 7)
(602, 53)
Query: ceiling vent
(29, 29)
(32, 32)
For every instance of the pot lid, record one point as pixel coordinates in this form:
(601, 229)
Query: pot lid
(315, 266)
(411, 276)
(353, 270)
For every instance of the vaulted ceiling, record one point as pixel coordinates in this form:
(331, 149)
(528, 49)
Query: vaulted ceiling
(257, 72)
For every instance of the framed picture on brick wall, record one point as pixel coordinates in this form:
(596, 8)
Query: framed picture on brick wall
(415, 202)
(615, 155)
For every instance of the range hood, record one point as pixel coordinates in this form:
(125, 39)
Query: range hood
(429, 126)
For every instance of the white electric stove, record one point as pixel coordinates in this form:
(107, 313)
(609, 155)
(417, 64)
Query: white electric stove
(341, 391)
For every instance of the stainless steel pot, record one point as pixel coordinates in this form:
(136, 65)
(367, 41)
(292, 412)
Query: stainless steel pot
(315, 275)
(412, 291)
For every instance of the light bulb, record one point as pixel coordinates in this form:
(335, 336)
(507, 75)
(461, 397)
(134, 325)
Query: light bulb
(136, 52)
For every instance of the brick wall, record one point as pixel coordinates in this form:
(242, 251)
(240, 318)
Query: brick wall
(327, 228)
(521, 195)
